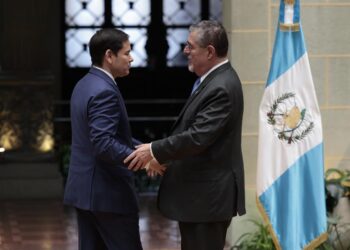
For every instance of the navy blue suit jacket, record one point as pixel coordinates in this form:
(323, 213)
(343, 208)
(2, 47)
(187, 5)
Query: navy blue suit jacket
(98, 180)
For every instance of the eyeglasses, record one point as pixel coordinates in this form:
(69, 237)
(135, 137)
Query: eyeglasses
(188, 46)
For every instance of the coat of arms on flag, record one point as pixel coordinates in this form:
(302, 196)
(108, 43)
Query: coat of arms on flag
(290, 167)
(290, 122)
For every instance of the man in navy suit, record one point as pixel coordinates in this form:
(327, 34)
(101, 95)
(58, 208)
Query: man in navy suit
(203, 185)
(99, 185)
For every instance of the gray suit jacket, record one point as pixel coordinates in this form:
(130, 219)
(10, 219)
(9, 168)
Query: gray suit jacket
(204, 180)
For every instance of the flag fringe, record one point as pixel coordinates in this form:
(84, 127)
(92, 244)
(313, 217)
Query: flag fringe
(316, 242)
(266, 219)
(312, 245)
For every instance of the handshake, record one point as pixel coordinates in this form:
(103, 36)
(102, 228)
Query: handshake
(142, 158)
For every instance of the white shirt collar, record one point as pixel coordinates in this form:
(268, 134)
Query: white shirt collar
(212, 69)
(106, 72)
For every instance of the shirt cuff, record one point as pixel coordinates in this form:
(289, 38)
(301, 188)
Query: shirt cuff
(150, 148)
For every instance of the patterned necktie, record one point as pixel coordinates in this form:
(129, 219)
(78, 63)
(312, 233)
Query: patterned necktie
(195, 85)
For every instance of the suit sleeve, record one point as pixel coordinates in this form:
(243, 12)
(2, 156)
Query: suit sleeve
(104, 117)
(206, 126)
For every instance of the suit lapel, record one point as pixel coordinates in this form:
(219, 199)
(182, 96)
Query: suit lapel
(206, 82)
(123, 109)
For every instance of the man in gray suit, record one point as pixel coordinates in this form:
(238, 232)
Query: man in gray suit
(203, 185)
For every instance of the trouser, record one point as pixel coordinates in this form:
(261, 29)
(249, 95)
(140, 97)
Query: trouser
(108, 231)
(203, 236)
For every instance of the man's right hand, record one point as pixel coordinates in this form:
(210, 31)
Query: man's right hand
(155, 168)
(140, 157)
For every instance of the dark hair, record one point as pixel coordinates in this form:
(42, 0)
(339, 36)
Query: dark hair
(211, 32)
(103, 40)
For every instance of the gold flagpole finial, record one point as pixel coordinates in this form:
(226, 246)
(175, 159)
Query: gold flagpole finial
(289, 1)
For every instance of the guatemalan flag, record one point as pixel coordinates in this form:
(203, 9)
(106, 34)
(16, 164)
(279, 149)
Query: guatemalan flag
(290, 169)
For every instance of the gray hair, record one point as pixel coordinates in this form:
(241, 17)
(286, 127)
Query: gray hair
(211, 32)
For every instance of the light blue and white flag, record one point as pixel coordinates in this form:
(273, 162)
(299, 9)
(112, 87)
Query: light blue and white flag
(290, 169)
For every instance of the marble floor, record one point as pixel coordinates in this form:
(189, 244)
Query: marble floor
(48, 225)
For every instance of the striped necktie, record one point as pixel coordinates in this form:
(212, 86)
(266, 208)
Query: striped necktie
(195, 85)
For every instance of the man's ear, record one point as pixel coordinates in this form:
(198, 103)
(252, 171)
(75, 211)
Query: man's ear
(109, 56)
(211, 51)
